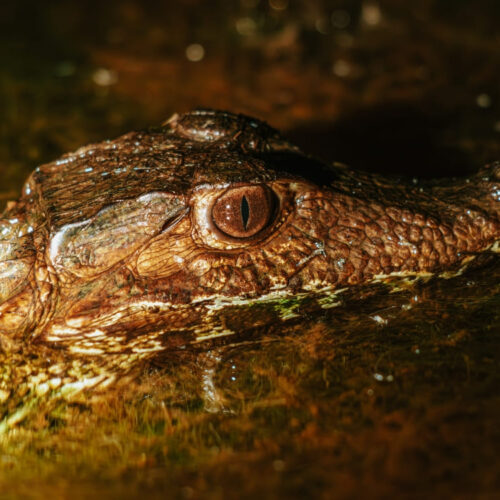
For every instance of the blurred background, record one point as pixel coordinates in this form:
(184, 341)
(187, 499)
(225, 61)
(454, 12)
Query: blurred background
(386, 85)
(393, 396)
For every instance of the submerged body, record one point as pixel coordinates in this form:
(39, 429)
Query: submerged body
(127, 243)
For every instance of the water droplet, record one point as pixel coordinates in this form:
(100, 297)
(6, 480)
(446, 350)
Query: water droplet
(379, 320)
(195, 52)
(245, 26)
(371, 14)
(341, 68)
(105, 77)
(483, 100)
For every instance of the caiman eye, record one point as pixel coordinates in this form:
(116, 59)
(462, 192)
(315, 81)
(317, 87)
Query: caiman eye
(244, 211)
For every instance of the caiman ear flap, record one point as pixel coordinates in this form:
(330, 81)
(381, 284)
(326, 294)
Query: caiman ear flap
(90, 247)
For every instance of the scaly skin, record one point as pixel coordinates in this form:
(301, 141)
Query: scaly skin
(114, 248)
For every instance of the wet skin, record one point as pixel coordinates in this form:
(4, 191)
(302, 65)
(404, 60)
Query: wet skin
(126, 242)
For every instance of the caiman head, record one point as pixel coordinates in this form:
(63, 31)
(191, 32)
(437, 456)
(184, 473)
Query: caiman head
(134, 242)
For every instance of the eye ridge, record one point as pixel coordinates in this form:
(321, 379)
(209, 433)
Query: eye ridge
(245, 211)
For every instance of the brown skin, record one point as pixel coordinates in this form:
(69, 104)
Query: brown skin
(141, 236)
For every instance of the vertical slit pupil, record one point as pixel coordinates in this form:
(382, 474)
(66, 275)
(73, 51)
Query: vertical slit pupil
(245, 211)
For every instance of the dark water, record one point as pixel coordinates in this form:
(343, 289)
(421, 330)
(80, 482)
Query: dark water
(388, 394)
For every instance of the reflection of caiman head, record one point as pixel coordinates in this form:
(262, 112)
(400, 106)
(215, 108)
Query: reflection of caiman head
(112, 243)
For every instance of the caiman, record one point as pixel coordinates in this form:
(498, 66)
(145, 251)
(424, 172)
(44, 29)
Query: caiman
(132, 244)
